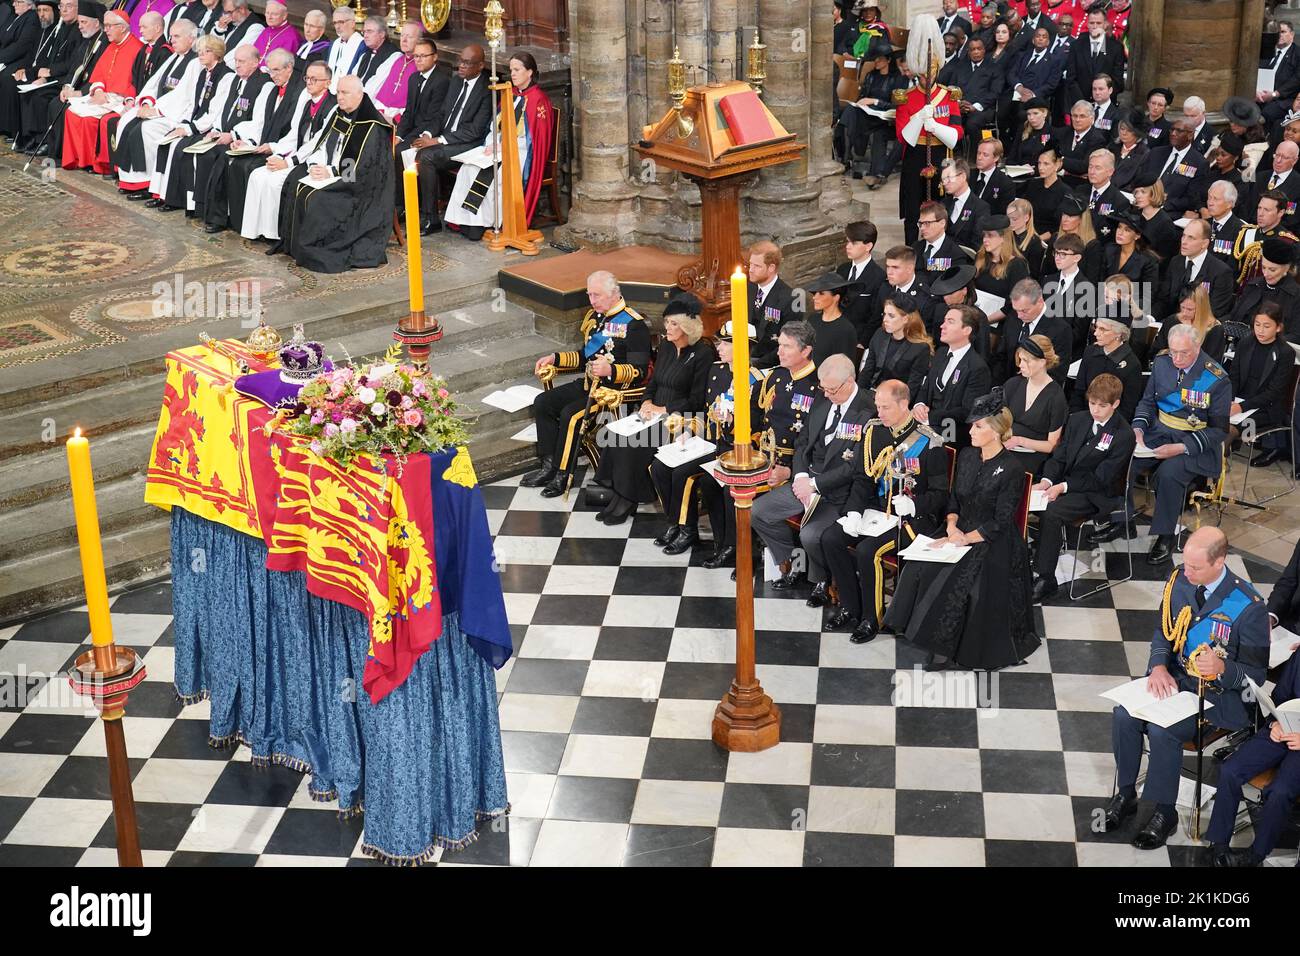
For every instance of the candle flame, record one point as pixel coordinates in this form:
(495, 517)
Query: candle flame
(77, 433)
(739, 273)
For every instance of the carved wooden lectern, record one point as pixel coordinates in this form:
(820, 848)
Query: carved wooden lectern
(696, 140)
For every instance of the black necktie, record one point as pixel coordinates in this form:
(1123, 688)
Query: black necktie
(458, 105)
(1187, 273)
(980, 183)
(1276, 57)
(1173, 158)
(1035, 58)
(835, 421)
(1095, 426)
(1200, 596)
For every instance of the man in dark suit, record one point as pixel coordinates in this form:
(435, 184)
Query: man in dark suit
(980, 84)
(1196, 266)
(465, 113)
(771, 301)
(1225, 226)
(900, 279)
(864, 275)
(1285, 63)
(957, 377)
(952, 18)
(19, 37)
(991, 185)
(1103, 198)
(1077, 142)
(1106, 112)
(1285, 180)
(1036, 17)
(1095, 53)
(822, 466)
(936, 251)
(1035, 73)
(966, 211)
(1284, 601)
(1228, 618)
(1084, 476)
(1032, 317)
(1182, 171)
(421, 122)
(1202, 132)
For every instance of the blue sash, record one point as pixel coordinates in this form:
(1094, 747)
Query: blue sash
(1173, 401)
(594, 344)
(1216, 629)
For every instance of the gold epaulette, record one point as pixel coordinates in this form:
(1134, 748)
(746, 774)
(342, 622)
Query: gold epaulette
(900, 96)
(930, 433)
(954, 92)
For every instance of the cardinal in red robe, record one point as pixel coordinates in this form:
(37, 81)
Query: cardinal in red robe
(85, 139)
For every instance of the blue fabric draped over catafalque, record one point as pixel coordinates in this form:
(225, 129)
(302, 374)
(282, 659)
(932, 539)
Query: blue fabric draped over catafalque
(282, 669)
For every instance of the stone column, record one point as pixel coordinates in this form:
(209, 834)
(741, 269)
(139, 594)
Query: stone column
(604, 201)
(1252, 31)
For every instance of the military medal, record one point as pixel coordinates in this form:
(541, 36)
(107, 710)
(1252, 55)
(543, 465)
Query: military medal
(797, 426)
(1193, 421)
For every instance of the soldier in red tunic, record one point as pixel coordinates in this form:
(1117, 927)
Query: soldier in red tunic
(928, 123)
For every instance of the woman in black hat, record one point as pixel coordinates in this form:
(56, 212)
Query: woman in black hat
(833, 331)
(1021, 214)
(998, 264)
(1244, 119)
(1037, 403)
(676, 391)
(1110, 354)
(1130, 151)
(871, 141)
(975, 613)
(1076, 221)
(676, 486)
(901, 348)
(1048, 191)
(1162, 236)
(1127, 255)
(1036, 133)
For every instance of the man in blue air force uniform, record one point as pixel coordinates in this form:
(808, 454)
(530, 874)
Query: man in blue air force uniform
(1215, 630)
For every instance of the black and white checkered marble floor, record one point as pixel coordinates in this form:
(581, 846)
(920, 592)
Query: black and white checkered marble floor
(621, 655)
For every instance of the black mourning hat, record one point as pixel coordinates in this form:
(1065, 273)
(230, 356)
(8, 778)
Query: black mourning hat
(683, 303)
(995, 223)
(1038, 103)
(1030, 346)
(1164, 91)
(1128, 217)
(828, 282)
(952, 279)
(1073, 206)
(1231, 143)
(880, 49)
(1241, 111)
(986, 406)
(1278, 250)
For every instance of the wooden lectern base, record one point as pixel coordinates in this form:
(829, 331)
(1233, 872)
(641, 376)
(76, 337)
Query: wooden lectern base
(746, 723)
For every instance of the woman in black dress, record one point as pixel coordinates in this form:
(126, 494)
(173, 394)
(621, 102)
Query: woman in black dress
(675, 390)
(676, 486)
(1127, 255)
(1194, 310)
(1047, 192)
(1037, 403)
(1035, 135)
(976, 613)
(1021, 214)
(1110, 355)
(833, 331)
(1130, 151)
(899, 349)
(1261, 377)
(998, 265)
(1162, 236)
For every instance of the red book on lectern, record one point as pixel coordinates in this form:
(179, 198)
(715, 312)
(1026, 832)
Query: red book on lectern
(746, 118)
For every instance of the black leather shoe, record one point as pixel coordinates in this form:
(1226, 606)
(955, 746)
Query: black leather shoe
(819, 597)
(138, 195)
(275, 250)
(1162, 549)
(539, 476)
(1266, 458)
(212, 229)
(686, 539)
(168, 207)
(1044, 588)
(865, 632)
(669, 536)
(618, 510)
(720, 558)
(154, 203)
(932, 664)
(1112, 531)
(786, 581)
(841, 620)
(1228, 857)
(429, 228)
(555, 487)
(1117, 810)
(1157, 830)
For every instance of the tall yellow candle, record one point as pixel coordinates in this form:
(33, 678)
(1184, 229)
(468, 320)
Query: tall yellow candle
(92, 551)
(740, 357)
(414, 267)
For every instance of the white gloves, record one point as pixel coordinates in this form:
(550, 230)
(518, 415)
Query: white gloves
(904, 506)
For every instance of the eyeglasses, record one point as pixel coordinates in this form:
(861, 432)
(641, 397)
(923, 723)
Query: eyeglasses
(1064, 252)
(926, 222)
(832, 389)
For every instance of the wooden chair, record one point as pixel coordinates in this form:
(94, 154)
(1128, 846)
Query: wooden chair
(550, 182)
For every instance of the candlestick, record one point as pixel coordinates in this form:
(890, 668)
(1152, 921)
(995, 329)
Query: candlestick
(414, 264)
(741, 434)
(92, 550)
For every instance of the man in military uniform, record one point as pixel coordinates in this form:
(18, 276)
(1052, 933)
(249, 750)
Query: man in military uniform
(900, 468)
(1183, 419)
(1213, 636)
(615, 354)
(928, 122)
(786, 397)
(1248, 248)
(822, 453)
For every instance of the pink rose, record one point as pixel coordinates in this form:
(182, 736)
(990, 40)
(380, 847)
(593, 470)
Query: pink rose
(412, 417)
(331, 430)
(443, 393)
(348, 426)
(317, 418)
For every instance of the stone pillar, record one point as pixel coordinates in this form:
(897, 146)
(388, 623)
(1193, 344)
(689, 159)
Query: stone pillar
(604, 202)
(724, 21)
(1252, 31)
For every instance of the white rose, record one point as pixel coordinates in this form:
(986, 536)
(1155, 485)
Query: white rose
(366, 394)
(379, 408)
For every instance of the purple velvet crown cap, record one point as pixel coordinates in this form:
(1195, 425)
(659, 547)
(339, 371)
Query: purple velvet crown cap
(301, 361)
(271, 389)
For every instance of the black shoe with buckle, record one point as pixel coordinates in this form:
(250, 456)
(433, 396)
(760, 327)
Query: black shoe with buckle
(865, 632)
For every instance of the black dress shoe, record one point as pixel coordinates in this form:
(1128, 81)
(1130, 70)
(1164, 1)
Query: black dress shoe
(1157, 830)
(933, 664)
(275, 250)
(138, 195)
(786, 581)
(720, 559)
(1266, 458)
(555, 487)
(429, 228)
(819, 597)
(540, 476)
(43, 150)
(865, 632)
(1044, 588)
(669, 536)
(1118, 809)
(686, 539)
(212, 229)
(1228, 857)
(154, 203)
(841, 620)
(1162, 549)
(1112, 531)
